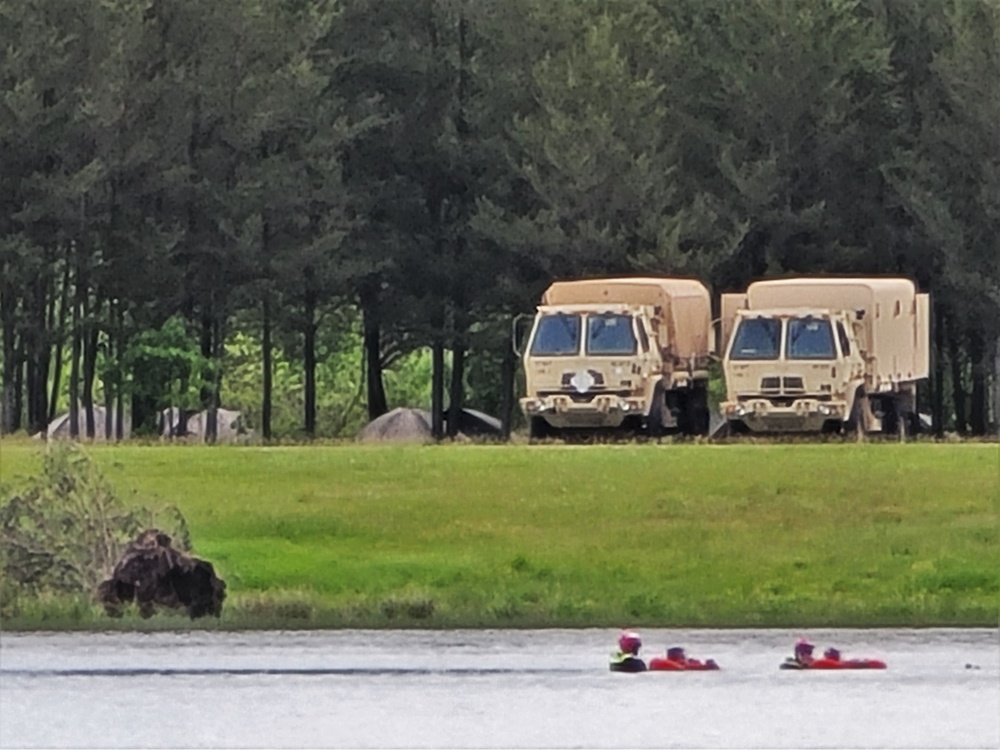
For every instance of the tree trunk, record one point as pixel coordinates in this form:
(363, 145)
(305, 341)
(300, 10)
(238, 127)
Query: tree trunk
(205, 343)
(74, 365)
(90, 367)
(218, 347)
(122, 342)
(937, 381)
(60, 337)
(978, 405)
(8, 309)
(207, 393)
(372, 327)
(507, 369)
(38, 358)
(309, 363)
(456, 395)
(268, 375)
(108, 379)
(957, 384)
(996, 385)
(32, 383)
(437, 387)
(19, 377)
(109, 395)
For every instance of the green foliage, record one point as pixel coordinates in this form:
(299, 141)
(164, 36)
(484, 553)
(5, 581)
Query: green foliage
(339, 381)
(437, 163)
(167, 365)
(63, 530)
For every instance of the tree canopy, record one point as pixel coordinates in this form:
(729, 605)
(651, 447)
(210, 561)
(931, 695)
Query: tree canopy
(304, 176)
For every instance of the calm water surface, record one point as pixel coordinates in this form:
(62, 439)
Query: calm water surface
(486, 689)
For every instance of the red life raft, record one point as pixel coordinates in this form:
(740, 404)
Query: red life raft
(825, 663)
(663, 664)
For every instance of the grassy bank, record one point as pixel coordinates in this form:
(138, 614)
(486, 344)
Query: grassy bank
(537, 536)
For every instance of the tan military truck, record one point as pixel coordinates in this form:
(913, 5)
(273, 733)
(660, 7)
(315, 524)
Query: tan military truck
(628, 353)
(825, 354)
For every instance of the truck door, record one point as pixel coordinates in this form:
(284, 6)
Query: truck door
(647, 358)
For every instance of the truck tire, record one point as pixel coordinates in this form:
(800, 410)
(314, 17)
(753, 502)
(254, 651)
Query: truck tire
(737, 427)
(698, 406)
(891, 422)
(539, 429)
(654, 422)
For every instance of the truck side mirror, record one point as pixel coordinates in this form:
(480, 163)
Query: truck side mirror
(519, 328)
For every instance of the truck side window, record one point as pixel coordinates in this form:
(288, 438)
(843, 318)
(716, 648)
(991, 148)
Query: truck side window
(845, 343)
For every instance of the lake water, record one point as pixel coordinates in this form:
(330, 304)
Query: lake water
(486, 689)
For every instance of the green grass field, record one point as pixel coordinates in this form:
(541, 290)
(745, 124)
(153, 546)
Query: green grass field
(573, 536)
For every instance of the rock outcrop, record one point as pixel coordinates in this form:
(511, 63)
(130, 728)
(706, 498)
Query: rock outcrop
(152, 573)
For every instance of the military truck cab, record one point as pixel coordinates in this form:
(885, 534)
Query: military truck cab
(606, 354)
(810, 355)
(792, 370)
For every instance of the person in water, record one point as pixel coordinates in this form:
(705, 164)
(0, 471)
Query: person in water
(803, 653)
(832, 654)
(677, 654)
(626, 658)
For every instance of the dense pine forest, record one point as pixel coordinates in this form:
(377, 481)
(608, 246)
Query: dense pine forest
(308, 209)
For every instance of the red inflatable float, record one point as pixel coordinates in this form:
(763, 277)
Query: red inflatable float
(835, 664)
(803, 659)
(677, 661)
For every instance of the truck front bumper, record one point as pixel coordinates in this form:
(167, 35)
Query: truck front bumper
(802, 415)
(601, 411)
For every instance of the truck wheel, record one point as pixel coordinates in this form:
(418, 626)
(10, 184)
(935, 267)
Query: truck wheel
(683, 410)
(698, 405)
(654, 422)
(539, 428)
(737, 427)
(890, 416)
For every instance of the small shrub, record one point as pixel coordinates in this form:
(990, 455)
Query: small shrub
(64, 530)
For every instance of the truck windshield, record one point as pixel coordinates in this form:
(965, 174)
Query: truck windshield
(757, 338)
(810, 338)
(609, 333)
(556, 335)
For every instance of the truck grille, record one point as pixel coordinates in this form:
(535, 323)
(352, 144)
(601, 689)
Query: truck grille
(793, 384)
(775, 385)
